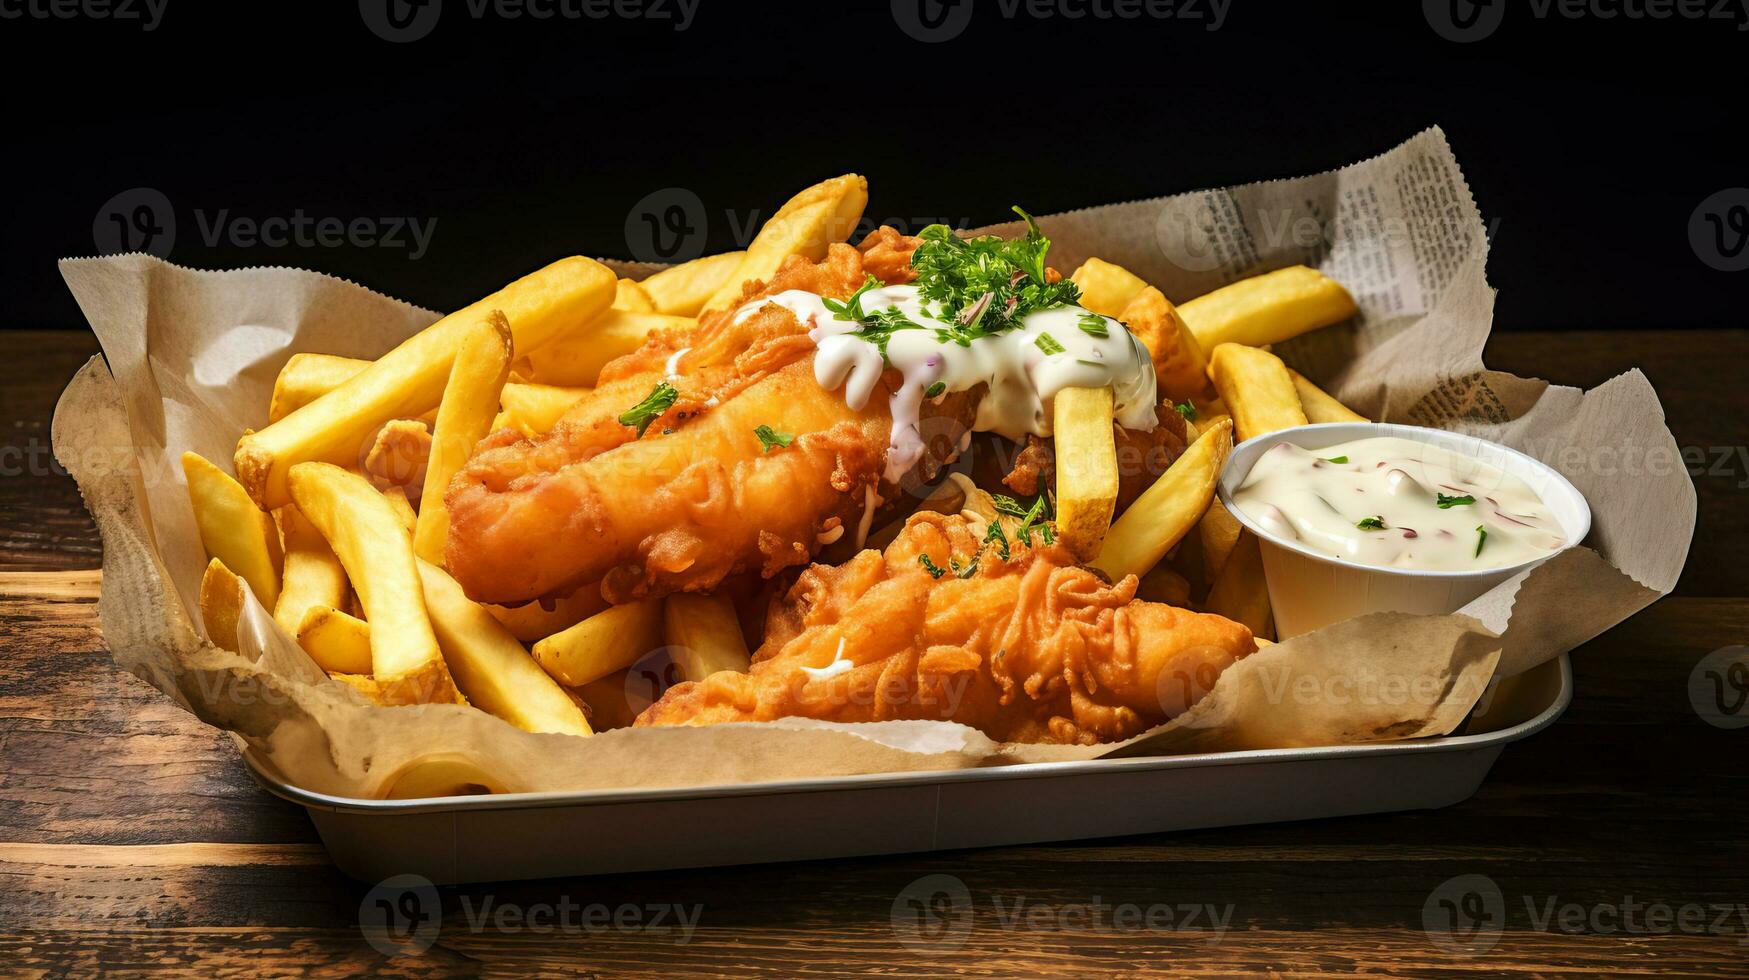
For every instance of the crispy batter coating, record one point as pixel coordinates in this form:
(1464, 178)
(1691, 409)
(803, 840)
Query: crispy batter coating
(1031, 648)
(697, 497)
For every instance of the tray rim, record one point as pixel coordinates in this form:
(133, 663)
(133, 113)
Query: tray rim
(311, 799)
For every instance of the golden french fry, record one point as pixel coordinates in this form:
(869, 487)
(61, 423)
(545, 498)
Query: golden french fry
(408, 381)
(1257, 389)
(1204, 423)
(579, 358)
(1167, 510)
(363, 684)
(221, 604)
(1106, 288)
(232, 529)
(313, 575)
(632, 298)
(533, 409)
(1162, 584)
(1319, 406)
(531, 621)
(682, 290)
(1267, 309)
(610, 640)
(405, 515)
(805, 225)
(1219, 532)
(1087, 479)
(1239, 593)
(1179, 364)
(335, 640)
(490, 666)
(464, 417)
(703, 635)
(400, 454)
(377, 552)
(307, 377)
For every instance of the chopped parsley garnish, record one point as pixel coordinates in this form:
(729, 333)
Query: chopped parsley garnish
(659, 400)
(1048, 344)
(1036, 517)
(1481, 539)
(1094, 325)
(1371, 523)
(1337, 459)
(878, 327)
(934, 570)
(995, 534)
(971, 567)
(1008, 505)
(1447, 503)
(977, 287)
(935, 389)
(1187, 410)
(769, 437)
(984, 285)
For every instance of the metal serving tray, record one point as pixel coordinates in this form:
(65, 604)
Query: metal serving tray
(459, 839)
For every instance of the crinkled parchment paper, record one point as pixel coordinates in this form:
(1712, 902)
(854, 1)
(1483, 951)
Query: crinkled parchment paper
(191, 358)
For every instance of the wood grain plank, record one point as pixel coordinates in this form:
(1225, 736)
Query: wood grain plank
(95, 755)
(43, 524)
(794, 953)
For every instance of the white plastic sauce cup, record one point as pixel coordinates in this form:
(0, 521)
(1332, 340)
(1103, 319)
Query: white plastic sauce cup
(1309, 589)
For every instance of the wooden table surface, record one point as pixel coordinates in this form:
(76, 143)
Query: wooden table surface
(131, 837)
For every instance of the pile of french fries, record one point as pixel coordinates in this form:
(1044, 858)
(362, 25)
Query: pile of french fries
(335, 520)
(1211, 359)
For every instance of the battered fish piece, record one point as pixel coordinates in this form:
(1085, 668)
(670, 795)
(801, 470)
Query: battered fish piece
(1029, 648)
(697, 496)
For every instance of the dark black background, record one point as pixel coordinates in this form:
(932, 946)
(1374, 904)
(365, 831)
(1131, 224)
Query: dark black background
(1589, 142)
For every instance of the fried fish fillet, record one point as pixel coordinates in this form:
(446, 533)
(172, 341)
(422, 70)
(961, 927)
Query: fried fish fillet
(1028, 648)
(697, 496)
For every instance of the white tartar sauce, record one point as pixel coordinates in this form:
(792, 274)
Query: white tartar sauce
(1397, 503)
(1023, 373)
